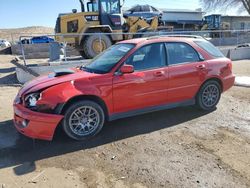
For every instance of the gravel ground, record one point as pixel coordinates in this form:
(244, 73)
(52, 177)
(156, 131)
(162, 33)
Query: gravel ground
(242, 68)
(181, 147)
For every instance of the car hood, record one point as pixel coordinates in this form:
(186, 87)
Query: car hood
(54, 78)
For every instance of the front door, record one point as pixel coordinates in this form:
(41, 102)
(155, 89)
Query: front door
(186, 71)
(147, 86)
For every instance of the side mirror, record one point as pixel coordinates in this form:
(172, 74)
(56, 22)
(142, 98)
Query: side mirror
(126, 69)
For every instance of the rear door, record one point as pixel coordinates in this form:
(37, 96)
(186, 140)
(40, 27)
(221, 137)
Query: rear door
(187, 71)
(147, 86)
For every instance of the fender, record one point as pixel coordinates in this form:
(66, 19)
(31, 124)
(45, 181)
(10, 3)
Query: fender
(52, 96)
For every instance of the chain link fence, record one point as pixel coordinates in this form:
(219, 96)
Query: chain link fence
(223, 39)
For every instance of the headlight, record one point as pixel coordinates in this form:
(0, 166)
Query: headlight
(31, 99)
(17, 100)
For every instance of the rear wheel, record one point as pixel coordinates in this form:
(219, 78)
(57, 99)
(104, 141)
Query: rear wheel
(209, 95)
(83, 120)
(94, 44)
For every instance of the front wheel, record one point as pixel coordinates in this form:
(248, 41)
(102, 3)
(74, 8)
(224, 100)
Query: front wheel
(209, 95)
(83, 120)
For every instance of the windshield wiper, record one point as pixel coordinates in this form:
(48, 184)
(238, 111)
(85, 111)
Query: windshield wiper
(95, 71)
(84, 68)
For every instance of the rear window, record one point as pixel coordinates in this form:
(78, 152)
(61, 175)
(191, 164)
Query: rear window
(210, 48)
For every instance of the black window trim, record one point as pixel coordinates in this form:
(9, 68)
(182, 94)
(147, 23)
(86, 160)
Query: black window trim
(153, 68)
(167, 55)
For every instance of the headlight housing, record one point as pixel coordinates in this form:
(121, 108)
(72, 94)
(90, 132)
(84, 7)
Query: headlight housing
(18, 100)
(31, 99)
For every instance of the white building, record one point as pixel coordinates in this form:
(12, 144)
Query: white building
(183, 19)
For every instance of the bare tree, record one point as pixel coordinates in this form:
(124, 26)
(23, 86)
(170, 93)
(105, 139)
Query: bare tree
(225, 4)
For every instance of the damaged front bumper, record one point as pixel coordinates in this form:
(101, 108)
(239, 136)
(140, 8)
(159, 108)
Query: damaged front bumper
(35, 124)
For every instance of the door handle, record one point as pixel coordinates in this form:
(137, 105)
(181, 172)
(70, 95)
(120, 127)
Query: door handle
(159, 73)
(202, 66)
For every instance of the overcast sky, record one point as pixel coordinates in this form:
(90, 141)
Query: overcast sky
(22, 13)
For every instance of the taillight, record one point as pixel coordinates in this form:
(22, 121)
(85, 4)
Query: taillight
(230, 66)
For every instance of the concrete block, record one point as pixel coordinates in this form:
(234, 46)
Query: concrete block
(23, 76)
(243, 81)
(240, 53)
(237, 53)
(33, 51)
(5, 50)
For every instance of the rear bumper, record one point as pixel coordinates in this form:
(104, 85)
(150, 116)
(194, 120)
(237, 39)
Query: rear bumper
(228, 82)
(39, 125)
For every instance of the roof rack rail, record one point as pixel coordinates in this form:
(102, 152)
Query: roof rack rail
(186, 36)
(176, 35)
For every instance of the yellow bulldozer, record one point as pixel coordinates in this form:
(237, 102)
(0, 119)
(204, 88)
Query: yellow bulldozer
(99, 16)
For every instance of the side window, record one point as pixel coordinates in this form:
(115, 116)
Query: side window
(209, 47)
(148, 57)
(154, 9)
(92, 7)
(105, 6)
(145, 8)
(72, 26)
(181, 53)
(135, 9)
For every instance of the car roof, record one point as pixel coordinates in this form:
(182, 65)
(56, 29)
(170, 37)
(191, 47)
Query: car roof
(170, 38)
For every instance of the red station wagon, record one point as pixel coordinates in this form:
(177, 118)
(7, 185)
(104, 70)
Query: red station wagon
(130, 78)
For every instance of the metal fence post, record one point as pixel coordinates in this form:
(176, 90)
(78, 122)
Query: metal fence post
(100, 42)
(237, 34)
(12, 39)
(220, 38)
(64, 50)
(22, 50)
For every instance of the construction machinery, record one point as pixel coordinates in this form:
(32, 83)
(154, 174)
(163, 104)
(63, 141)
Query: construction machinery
(215, 24)
(82, 29)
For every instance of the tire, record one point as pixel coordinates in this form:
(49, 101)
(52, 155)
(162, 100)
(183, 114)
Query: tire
(78, 127)
(82, 53)
(88, 45)
(208, 96)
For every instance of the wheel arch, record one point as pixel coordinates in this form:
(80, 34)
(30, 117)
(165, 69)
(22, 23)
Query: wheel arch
(93, 98)
(211, 79)
(96, 29)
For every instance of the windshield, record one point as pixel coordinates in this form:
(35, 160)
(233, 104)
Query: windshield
(110, 6)
(104, 62)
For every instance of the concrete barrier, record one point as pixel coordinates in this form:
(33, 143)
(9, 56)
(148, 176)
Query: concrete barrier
(237, 53)
(5, 50)
(38, 51)
(31, 51)
(243, 81)
(25, 74)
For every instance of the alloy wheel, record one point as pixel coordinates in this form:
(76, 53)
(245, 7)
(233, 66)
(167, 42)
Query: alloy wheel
(210, 95)
(84, 120)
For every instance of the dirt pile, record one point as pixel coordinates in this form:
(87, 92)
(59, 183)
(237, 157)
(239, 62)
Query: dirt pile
(14, 34)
